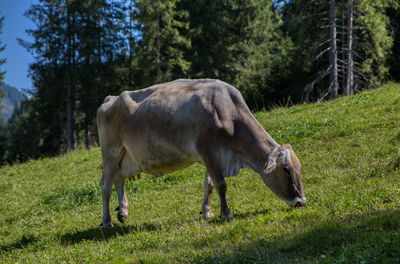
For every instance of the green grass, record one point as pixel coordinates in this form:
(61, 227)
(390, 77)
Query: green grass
(50, 209)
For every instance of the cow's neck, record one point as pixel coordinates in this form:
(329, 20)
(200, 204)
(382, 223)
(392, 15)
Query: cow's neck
(256, 146)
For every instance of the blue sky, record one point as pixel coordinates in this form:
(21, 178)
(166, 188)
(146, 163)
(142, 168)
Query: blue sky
(18, 58)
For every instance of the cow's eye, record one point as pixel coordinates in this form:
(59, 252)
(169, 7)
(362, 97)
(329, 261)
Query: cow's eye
(286, 169)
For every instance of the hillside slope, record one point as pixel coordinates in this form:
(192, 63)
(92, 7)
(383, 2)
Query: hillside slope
(12, 96)
(349, 148)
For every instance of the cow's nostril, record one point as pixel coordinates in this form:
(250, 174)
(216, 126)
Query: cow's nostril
(300, 203)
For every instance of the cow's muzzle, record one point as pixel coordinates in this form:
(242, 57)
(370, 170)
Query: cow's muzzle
(297, 202)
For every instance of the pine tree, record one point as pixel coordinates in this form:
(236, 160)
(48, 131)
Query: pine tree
(78, 45)
(394, 60)
(374, 40)
(3, 130)
(161, 45)
(101, 41)
(333, 72)
(53, 72)
(263, 54)
(350, 64)
(358, 52)
(129, 31)
(215, 28)
(69, 58)
(23, 139)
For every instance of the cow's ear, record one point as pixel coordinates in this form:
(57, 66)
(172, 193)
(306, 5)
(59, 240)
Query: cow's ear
(269, 166)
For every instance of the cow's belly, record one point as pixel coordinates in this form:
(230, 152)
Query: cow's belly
(159, 158)
(161, 167)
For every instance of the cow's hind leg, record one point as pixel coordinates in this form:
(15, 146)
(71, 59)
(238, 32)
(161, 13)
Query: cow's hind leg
(106, 188)
(110, 171)
(208, 188)
(128, 169)
(123, 205)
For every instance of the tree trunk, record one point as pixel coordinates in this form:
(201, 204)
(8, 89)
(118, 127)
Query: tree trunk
(333, 76)
(87, 142)
(99, 38)
(158, 55)
(342, 71)
(131, 44)
(70, 89)
(349, 77)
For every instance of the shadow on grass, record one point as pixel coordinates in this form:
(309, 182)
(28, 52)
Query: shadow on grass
(21, 243)
(372, 238)
(243, 215)
(103, 234)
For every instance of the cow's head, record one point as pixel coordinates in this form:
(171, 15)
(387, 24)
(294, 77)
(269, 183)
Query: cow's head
(282, 175)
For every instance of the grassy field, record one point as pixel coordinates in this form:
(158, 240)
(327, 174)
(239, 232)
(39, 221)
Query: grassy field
(50, 209)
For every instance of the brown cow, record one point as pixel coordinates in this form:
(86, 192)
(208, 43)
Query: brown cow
(169, 126)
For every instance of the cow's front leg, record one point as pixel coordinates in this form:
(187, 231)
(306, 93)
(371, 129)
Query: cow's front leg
(208, 188)
(220, 185)
(123, 205)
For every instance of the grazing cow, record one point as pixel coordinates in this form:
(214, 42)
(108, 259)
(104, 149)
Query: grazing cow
(169, 126)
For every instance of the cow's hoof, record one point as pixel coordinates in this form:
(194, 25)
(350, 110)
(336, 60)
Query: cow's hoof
(106, 224)
(206, 215)
(122, 218)
(227, 217)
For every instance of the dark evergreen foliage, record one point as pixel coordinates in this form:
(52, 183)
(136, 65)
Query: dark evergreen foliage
(394, 58)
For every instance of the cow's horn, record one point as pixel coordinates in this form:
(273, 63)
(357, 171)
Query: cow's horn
(269, 166)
